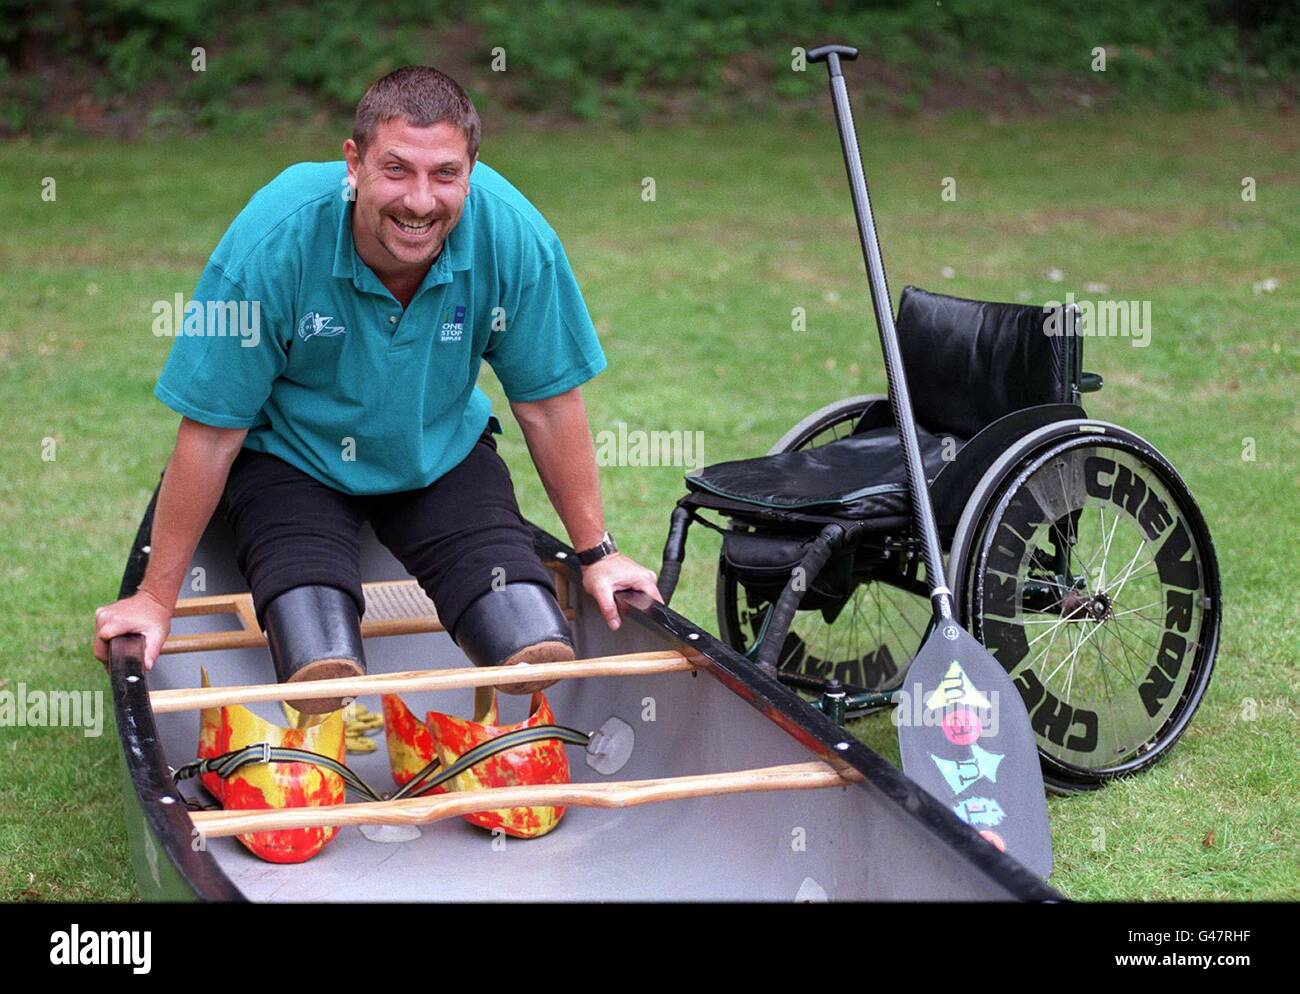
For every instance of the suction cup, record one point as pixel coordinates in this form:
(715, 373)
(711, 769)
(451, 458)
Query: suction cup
(390, 834)
(611, 746)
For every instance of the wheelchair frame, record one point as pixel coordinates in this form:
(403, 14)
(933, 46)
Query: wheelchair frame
(899, 547)
(962, 493)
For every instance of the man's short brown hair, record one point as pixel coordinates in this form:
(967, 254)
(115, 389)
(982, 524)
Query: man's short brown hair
(421, 95)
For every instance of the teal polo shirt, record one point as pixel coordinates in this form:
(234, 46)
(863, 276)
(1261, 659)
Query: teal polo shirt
(292, 336)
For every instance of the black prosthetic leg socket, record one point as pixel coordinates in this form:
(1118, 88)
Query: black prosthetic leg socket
(520, 623)
(315, 634)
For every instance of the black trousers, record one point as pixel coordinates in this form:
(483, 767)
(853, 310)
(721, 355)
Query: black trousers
(456, 536)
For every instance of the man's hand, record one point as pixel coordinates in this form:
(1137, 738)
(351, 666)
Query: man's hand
(617, 572)
(140, 613)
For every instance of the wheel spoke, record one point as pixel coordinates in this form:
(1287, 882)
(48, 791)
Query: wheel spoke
(1134, 633)
(1114, 633)
(1122, 582)
(1136, 610)
(1090, 606)
(1105, 554)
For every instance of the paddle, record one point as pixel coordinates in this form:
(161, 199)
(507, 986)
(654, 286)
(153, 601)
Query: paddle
(963, 731)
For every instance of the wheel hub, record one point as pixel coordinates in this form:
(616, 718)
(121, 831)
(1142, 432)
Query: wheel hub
(1079, 606)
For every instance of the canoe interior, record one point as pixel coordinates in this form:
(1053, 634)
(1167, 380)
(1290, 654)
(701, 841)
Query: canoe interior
(855, 843)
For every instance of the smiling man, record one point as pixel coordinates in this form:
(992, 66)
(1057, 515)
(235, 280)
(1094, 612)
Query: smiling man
(383, 282)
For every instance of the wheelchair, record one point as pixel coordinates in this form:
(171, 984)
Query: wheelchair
(1075, 552)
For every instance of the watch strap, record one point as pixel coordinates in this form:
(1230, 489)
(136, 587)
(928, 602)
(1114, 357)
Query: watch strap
(596, 553)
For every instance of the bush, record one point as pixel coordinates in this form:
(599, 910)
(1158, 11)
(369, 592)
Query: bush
(618, 59)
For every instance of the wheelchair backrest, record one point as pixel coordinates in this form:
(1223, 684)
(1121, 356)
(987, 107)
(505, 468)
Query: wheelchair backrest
(969, 362)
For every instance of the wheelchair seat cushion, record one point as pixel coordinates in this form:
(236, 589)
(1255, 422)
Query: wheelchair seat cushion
(970, 362)
(859, 477)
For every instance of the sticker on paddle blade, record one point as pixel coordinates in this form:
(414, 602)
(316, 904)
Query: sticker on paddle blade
(962, 726)
(964, 735)
(979, 811)
(961, 773)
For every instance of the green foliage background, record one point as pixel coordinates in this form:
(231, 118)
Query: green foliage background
(65, 63)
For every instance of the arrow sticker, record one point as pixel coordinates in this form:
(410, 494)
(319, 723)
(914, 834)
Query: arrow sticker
(961, 773)
(956, 688)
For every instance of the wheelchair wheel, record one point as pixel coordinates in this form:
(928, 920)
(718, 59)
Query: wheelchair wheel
(869, 642)
(1085, 567)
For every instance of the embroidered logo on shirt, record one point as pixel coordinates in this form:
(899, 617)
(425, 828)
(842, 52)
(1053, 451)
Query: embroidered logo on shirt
(315, 325)
(453, 324)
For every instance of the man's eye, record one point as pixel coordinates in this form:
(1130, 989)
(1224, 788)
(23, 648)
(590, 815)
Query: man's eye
(394, 169)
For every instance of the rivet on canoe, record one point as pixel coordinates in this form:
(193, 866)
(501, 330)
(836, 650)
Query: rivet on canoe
(841, 746)
(166, 800)
(133, 679)
(693, 636)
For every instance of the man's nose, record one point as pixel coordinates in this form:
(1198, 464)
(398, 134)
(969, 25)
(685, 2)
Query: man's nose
(421, 197)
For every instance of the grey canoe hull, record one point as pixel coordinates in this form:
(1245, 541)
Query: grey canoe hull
(879, 839)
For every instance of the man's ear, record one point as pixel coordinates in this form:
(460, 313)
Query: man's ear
(352, 156)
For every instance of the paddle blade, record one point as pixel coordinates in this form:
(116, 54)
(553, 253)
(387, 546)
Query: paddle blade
(964, 736)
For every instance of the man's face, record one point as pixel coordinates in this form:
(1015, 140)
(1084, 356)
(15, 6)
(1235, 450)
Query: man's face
(410, 192)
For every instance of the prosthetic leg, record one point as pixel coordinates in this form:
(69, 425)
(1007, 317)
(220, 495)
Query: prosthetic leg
(315, 634)
(520, 623)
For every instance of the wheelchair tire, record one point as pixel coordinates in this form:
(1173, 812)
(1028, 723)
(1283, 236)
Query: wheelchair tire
(1084, 565)
(870, 642)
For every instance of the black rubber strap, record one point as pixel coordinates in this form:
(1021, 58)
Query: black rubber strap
(227, 764)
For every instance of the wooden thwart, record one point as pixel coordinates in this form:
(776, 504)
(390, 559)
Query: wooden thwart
(627, 794)
(629, 664)
(393, 607)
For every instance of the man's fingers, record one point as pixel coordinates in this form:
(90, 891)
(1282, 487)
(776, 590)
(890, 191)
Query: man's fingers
(605, 601)
(113, 626)
(646, 583)
(650, 587)
(110, 626)
(101, 637)
(153, 648)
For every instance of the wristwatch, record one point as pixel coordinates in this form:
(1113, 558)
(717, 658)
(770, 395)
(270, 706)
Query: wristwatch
(598, 552)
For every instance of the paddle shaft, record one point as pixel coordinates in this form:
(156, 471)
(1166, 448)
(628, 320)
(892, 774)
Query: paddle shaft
(900, 400)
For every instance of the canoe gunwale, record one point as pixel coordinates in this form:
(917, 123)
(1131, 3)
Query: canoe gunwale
(167, 821)
(819, 734)
(167, 818)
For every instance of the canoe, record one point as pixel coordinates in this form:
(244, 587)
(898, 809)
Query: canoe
(734, 788)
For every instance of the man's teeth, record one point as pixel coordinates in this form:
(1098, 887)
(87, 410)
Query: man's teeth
(415, 229)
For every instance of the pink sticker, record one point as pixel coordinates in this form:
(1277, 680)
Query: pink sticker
(994, 839)
(961, 726)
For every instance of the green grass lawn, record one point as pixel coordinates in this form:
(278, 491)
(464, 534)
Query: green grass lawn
(693, 293)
